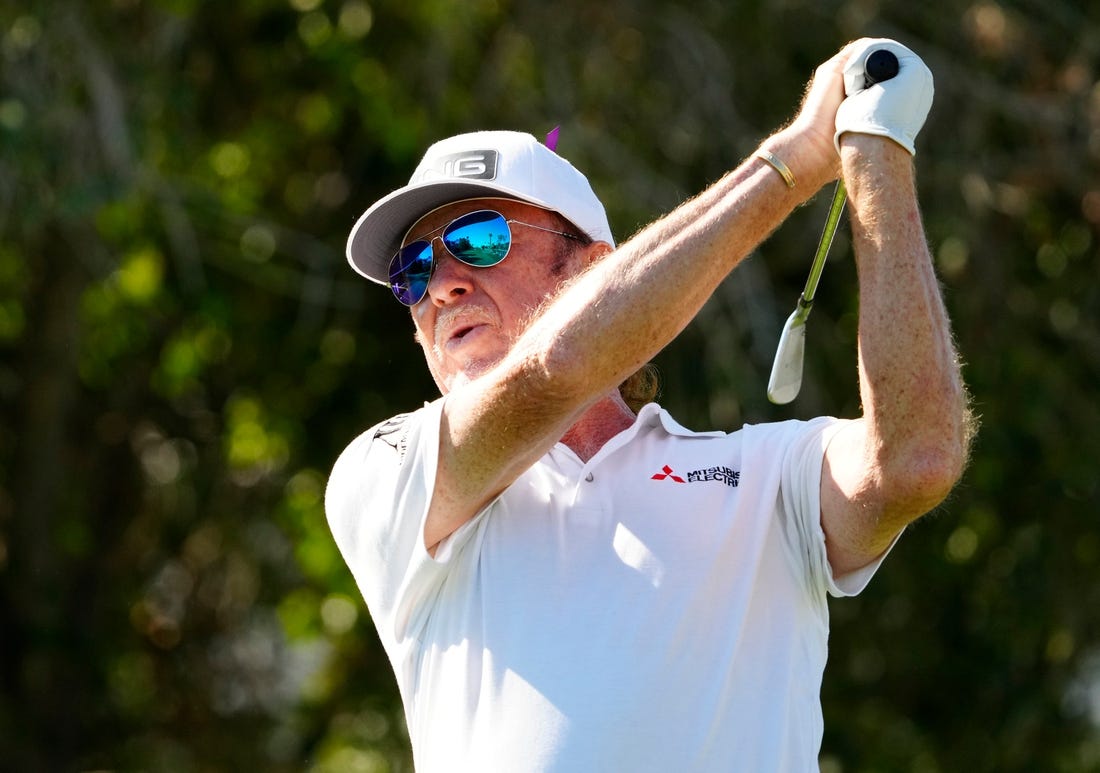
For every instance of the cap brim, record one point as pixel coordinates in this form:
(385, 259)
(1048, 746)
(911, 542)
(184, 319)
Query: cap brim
(379, 231)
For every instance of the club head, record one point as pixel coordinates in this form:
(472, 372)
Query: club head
(786, 376)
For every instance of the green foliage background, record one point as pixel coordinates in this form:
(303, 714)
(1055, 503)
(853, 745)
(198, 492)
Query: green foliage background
(184, 352)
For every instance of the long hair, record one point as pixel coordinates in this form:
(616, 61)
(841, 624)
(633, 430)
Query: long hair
(642, 387)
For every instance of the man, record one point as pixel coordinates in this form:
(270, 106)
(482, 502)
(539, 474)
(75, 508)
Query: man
(563, 585)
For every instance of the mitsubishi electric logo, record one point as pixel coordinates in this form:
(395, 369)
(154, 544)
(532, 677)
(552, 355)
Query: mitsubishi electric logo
(468, 165)
(721, 474)
(666, 473)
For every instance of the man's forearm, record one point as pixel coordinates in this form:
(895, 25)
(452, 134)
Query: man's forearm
(632, 303)
(635, 302)
(910, 383)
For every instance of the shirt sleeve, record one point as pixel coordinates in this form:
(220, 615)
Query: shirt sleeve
(376, 502)
(800, 495)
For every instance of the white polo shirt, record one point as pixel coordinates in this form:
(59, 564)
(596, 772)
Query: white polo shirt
(660, 607)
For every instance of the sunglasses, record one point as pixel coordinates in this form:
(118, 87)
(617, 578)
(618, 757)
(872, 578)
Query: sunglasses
(480, 239)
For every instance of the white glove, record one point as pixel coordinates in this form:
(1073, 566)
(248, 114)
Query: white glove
(894, 108)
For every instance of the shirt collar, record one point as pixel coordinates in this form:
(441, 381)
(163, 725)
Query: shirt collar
(653, 415)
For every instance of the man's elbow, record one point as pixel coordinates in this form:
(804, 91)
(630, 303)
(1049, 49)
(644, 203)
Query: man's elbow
(932, 468)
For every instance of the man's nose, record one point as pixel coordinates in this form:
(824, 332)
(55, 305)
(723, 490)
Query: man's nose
(451, 278)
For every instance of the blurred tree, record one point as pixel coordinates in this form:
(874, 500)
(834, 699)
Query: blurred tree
(183, 351)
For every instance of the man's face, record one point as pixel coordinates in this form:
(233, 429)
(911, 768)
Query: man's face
(471, 316)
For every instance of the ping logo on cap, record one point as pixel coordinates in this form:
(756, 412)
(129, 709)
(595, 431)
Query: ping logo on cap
(469, 164)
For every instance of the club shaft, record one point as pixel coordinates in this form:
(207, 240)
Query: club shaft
(840, 195)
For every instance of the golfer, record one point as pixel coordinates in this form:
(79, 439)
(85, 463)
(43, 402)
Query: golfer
(562, 584)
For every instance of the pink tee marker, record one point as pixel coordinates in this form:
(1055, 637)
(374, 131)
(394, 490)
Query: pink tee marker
(552, 138)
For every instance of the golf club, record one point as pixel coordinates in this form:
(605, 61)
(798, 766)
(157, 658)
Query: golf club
(785, 380)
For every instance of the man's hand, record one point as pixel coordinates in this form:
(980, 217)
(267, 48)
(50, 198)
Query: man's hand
(807, 142)
(895, 108)
(838, 100)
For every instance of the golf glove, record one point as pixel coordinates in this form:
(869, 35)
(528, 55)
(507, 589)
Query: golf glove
(894, 108)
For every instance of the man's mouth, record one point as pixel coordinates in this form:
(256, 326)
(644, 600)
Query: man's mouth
(461, 332)
(467, 332)
(454, 326)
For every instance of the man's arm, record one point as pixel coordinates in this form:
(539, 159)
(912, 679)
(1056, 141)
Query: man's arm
(619, 313)
(907, 451)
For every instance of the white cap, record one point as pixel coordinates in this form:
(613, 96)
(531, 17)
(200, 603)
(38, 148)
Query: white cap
(505, 164)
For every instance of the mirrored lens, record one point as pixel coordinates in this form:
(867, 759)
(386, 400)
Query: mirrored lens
(410, 271)
(479, 238)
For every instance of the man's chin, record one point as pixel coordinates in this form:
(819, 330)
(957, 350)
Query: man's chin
(471, 372)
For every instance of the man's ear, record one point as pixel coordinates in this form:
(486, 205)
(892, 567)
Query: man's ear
(596, 251)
